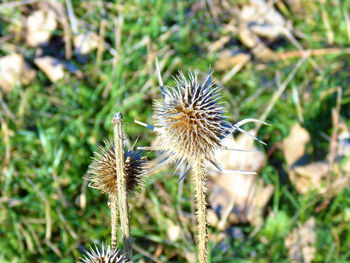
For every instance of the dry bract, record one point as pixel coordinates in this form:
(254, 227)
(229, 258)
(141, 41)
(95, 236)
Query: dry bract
(102, 171)
(190, 122)
(104, 255)
(13, 71)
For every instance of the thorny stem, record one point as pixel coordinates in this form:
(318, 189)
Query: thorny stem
(114, 219)
(201, 211)
(121, 183)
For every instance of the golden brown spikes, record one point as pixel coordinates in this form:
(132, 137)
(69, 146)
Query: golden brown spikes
(190, 122)
(102, 171)
(191, 126)
(103, 175)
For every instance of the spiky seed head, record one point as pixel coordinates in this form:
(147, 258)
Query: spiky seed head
(190, 121)
(104, 255)
(102, 171)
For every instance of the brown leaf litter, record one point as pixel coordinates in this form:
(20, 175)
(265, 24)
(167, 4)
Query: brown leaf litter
(244, 194)
(52, 67)
(40, 25)
(14, 71)
(316, 175)
(85, 43)
(301, 242)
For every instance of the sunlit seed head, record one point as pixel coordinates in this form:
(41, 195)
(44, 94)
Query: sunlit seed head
(104, 255)
(190, 121)
(102, 171)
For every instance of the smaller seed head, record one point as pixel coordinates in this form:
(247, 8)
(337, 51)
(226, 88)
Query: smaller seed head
(104, 255)
(102, 171)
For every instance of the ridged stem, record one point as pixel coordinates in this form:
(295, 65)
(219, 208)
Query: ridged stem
(121, 184)
(199, 180)
(114, 219)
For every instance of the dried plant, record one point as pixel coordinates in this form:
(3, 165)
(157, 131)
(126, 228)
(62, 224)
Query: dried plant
(191, 125)
(122, 184)
(102, 170)
(104, 255)
(111, 164)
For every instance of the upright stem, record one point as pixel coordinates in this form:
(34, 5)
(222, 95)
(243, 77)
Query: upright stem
(201, 210)
(121, 183)
(114, 219)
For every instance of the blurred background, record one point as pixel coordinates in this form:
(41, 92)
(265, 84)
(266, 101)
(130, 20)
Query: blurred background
(67, 66)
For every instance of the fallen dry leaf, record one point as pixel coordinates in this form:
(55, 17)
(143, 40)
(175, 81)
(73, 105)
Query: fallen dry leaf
(212, 218)
(265, 12)
(173, 230)
(52, 67)
(294, 144)
(85, 43)
(13, 71)
(40, 25)
(248, 38)
(228, 59)
(237, 160)
(264, 53)
(310, 176)
(301, 242)
(315, 175)
(245, 194)
(190, 256)
(304, 177)
(260, 19)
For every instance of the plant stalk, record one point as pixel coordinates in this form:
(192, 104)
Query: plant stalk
(121, 184)
(199, 180)
(114, 219)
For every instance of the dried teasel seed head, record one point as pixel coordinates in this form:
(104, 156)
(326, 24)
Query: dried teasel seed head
(102, 170)
(104, 255)
(190, 121)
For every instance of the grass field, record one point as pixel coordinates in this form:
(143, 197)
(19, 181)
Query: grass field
(49, 130)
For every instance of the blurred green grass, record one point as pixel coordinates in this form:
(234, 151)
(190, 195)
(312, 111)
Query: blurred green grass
(46, 146)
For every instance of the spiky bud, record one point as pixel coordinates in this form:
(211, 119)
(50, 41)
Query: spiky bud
(102, 171)
(104, 255)
(190, 121)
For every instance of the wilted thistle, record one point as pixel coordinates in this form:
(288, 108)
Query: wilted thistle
(102, 170)
(191, 126)
(111, 165)
(104, 255)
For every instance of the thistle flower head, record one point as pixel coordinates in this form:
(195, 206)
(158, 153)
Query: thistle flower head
(190, 121)
(104, 255)
(102, 171)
